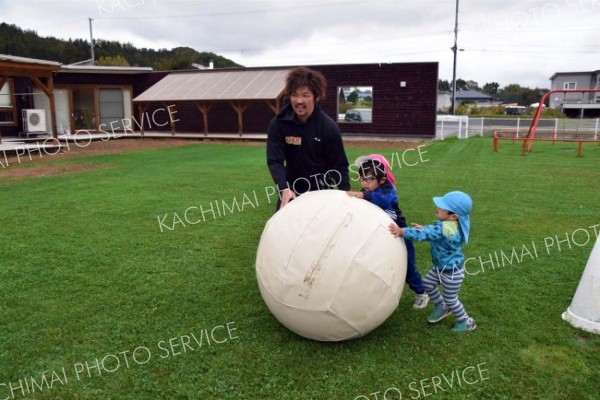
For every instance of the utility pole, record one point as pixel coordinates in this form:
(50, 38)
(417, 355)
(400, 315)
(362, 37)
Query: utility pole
(92, 42)
(454, 50)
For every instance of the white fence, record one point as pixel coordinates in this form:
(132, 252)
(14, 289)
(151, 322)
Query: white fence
(464, 127)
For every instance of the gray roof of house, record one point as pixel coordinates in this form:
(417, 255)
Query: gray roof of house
(7, 57)
(472, 94)
(554, 75)
(244, 84)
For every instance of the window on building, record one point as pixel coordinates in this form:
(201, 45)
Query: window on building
(355, 104)
(570, 85)
(90, 108)
(8, 112)
(111, 109)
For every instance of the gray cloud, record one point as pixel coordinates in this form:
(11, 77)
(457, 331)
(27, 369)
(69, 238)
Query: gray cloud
(504, 41)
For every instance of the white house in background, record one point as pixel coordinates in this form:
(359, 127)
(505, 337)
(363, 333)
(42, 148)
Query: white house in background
(576, 104)
(444, 100)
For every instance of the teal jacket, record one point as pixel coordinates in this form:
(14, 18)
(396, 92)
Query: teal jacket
(446, 244)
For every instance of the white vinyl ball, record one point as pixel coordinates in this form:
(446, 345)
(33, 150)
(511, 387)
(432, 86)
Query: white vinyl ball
(328, 268)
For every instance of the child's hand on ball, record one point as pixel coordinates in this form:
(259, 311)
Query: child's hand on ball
(396, 230)
(358, 195)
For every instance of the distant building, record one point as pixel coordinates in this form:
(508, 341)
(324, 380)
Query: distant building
(48, 97)
(576, 104)
(444, 99)
(473, 96)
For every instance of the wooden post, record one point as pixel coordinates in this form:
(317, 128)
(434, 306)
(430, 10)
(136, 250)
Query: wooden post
(204, 109)
(240, 107)
(48, 91)
(171, 122)
(3, 81)
(142, 110)
(273, 106)
(52, 107)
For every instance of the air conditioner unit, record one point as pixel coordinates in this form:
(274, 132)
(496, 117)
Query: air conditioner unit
(34, 121)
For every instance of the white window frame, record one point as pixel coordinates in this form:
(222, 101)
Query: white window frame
(567, 84)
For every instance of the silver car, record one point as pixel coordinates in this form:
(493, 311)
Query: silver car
(359, 115)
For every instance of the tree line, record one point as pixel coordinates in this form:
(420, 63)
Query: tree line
(512, 93)
(27, 43)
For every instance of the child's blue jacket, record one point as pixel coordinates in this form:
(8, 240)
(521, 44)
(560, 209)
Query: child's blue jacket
(385, 197)
(446, 244)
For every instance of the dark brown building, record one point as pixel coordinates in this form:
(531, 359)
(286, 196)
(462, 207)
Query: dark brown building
(395, 99)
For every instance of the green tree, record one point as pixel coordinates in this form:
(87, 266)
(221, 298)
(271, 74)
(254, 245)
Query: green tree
(444, 85)
(491, 88)
(461, 84)
(27, 43)
(352, 97)
(117, 61)
(341, 97)
(512, 93)
(472, 85)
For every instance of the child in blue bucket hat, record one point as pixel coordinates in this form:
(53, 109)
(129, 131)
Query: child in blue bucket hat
(446, 235)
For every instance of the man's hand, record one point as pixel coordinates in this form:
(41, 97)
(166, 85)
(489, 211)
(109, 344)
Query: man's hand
(287, 195)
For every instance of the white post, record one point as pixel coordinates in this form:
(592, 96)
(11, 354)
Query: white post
(459, 126)
(482, 119)
(555, 126)
(584, 311)
(442, 130)
(466, 127)
(518, 125)
(596, 129)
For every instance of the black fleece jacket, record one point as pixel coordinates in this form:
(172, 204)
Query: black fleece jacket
(306, 156)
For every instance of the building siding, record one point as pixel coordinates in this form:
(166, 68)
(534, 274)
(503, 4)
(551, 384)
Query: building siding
(397, 111)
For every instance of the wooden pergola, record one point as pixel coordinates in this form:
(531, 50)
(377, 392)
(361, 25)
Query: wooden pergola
(204, 89)
(39, 71)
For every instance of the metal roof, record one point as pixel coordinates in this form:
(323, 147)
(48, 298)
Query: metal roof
(472, 94)
(7, 57)
(255, 84)
(100, 69)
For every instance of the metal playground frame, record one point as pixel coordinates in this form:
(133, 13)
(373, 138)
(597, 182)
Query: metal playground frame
(547, 136)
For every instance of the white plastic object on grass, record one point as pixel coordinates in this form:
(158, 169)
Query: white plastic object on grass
(328, 268)
(584, 311)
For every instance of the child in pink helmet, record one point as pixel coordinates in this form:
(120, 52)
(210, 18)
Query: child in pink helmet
(378, 187)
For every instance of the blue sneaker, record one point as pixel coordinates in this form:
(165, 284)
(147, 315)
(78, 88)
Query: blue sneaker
(464, 326)
(438, 314)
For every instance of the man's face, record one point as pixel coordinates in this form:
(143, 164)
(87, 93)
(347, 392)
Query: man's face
(303, 103)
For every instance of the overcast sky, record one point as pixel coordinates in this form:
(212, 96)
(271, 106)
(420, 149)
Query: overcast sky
(506, 41)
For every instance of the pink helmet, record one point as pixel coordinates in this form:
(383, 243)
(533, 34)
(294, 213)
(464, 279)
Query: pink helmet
(378, 157)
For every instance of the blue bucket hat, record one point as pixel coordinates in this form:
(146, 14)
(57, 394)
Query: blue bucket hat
(460, 204)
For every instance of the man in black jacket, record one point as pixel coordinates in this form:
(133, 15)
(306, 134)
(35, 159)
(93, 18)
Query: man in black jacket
(305, 151)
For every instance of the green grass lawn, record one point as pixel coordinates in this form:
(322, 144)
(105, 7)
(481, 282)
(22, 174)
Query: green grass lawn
(102, 300)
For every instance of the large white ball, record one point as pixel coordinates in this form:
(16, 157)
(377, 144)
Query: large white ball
(328, 268)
